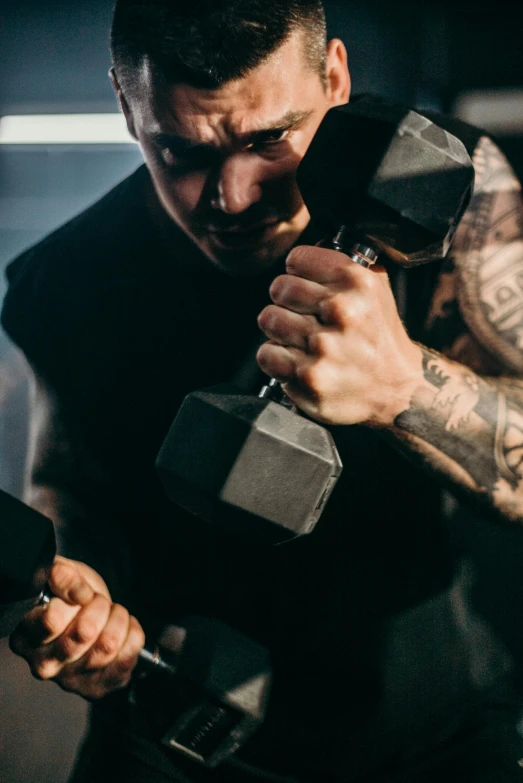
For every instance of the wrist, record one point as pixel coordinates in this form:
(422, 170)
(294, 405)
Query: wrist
(402, 384)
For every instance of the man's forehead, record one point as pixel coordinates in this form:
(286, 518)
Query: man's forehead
(236, 109)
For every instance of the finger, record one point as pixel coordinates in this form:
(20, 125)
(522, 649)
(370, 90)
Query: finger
(74, 642)
(119, 671)
(286, 327)
(108, 644)
(326, 266)
(297, 294)
(42, 625)
(278, 361)
(67, 582)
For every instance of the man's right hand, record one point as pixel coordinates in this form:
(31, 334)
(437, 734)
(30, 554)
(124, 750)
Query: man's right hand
(80, 639)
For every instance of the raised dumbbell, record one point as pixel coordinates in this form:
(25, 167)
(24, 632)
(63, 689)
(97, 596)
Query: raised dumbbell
(377, 178)
(205, 687)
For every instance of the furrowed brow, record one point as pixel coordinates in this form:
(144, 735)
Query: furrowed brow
(290, 121)
(180, 145)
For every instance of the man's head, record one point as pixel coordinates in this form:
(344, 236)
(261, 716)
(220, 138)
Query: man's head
(224, 97)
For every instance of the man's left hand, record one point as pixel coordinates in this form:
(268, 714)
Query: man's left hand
(336, 341)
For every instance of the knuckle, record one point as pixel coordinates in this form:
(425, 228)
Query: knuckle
(63, 577)
(267, 317)
(342, 269)
(319, 344)
(107, 644)
(262, 358)
(365, 280)
(45, 669)
(309, 378)
(279, 288)
(91, 620)
(359, 277)
(297, 255)
(66, 646)
(336, 310)
(85, 631)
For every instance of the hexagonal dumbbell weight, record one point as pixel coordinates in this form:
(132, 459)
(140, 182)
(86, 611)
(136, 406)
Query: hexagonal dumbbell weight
(248, 463)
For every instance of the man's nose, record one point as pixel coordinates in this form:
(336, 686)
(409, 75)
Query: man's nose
(238, 186)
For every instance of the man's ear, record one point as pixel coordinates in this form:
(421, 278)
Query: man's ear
(123, 103)
(338, 76)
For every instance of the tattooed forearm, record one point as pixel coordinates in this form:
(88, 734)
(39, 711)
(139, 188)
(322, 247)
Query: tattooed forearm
(471, 426)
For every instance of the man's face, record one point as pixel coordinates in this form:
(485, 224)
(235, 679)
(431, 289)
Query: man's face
(223, 160)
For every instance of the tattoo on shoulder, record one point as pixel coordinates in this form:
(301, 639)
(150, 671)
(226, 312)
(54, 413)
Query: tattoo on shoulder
(488, 256)
(493, 171)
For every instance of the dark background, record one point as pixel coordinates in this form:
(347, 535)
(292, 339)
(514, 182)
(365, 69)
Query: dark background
(54, 58)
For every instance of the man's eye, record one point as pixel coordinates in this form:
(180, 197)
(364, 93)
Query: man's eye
(270, 140)
(273, 138)
(192, 158)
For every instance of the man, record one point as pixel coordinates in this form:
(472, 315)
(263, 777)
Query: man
(381, 672)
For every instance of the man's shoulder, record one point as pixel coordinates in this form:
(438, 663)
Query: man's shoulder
(47, 281)
(85, 243)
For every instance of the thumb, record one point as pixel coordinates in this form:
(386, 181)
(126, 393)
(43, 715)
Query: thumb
(67, 582)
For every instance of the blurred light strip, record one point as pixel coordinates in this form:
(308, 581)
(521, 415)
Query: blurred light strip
(497, 111)
(64, 129)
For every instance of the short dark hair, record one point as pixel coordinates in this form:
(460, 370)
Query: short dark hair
(207, 43)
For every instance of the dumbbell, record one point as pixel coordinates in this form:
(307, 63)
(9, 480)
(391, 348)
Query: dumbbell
(205, 688)
(377, 178)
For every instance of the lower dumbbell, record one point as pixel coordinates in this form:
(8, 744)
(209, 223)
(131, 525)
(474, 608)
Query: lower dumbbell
(218, 697)
(205, 687)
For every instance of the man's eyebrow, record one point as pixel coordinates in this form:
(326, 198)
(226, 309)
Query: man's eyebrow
(179, 144)
(291, 120)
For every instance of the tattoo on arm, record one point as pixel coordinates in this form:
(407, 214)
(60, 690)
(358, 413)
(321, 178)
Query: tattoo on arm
(477, 309)
(465, 418)
(469, 429)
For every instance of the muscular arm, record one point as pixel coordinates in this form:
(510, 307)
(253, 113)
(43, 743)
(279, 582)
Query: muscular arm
(340, 348)
(465, 418)
(82, 639)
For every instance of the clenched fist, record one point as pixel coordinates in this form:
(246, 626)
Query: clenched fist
(80, 639)
(337, 343)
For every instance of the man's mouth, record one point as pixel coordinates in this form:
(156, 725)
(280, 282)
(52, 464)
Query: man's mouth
(238, 237)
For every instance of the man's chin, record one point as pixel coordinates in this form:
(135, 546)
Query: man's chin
(244, 264)
(247, 260)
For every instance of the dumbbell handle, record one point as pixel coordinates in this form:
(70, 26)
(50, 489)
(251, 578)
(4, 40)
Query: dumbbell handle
(151, 659)
(362, 254)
